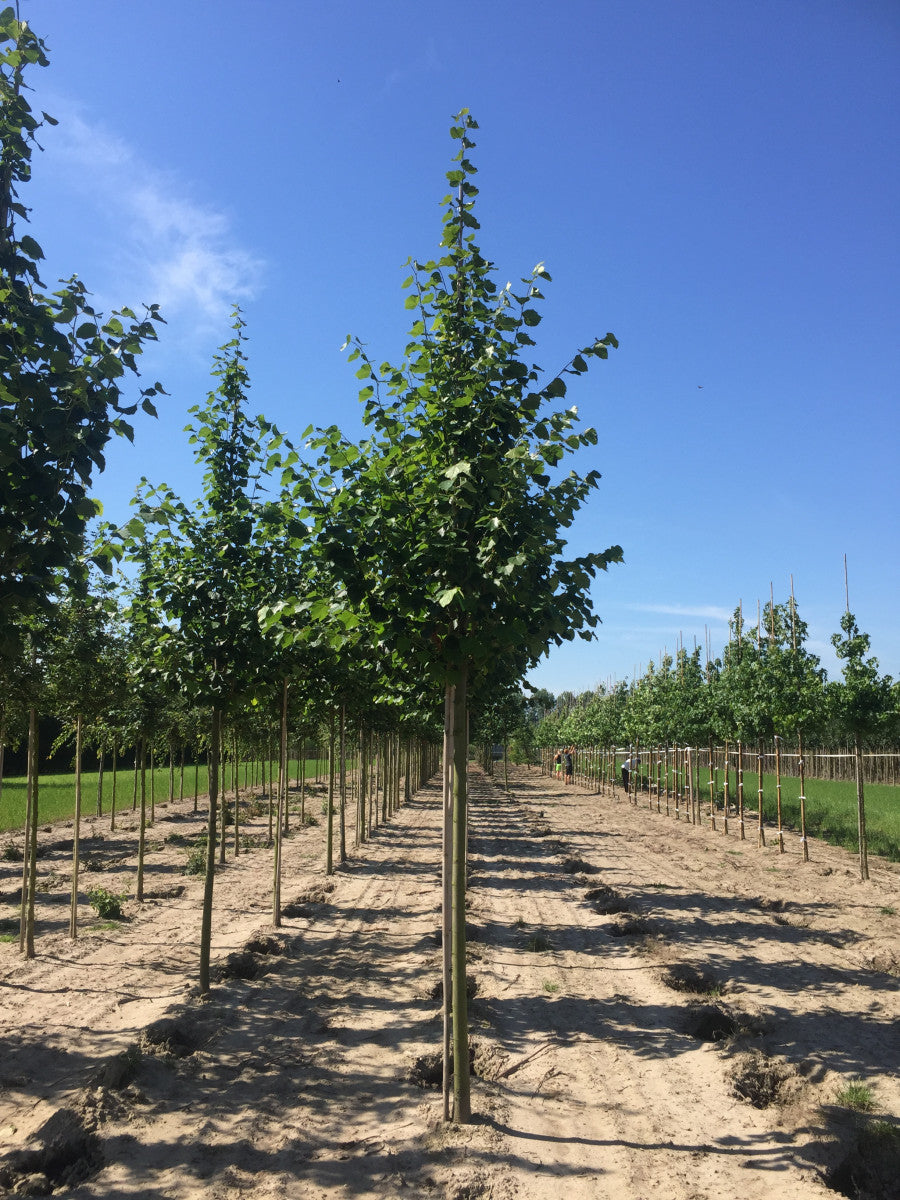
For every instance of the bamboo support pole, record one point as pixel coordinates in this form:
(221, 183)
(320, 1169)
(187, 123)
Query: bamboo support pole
(778, 793)
(801, 771)
(760, 830)
(740, 791)
(712, 789)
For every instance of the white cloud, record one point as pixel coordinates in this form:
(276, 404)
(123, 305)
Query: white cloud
(706, 612)
(181, 254)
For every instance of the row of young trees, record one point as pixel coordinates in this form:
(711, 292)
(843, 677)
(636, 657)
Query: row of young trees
(416, 571)
(767, 685)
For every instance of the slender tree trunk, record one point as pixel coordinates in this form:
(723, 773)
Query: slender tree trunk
(142, 833)
(343, 785)
(112, 805)
(181, 775)
(152, 786)
(801, 771)
(100, 765)
(362, 790)
(282, 796)
(760, 828)
(861, 812)
(778, 793)
(235, 775)
(29, 864)
(206, 918)
(740, 789)
(385, 778)
(302, 753)
(329, 839)
(462, 1107)
(447, 895)
(223, 795)
(76, 833)
(712, 789)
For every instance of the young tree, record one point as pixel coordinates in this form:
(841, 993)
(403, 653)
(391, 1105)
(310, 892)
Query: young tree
(208, 576)
(61, 372)
(864, 705)
(445, 526)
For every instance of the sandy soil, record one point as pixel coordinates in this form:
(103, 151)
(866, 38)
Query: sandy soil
(659, 1010)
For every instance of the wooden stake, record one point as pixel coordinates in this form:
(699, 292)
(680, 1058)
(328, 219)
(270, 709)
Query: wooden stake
(778, 792)
(802, 770)
(740, 788)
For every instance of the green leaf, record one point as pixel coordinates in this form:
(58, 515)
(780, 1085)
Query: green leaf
(30, 247)
(460, 468)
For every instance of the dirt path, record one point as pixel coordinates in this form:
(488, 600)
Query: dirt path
(632, 976)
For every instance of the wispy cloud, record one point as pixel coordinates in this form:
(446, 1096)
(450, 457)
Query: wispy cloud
(170, 249)
(705, 612)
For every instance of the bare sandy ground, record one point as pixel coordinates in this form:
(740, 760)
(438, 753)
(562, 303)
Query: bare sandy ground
(659, 1010)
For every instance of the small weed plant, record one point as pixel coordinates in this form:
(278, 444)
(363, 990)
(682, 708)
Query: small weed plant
(196, 859)
(107, 904)
(550, 987)
(856, 1095)
(538, 943)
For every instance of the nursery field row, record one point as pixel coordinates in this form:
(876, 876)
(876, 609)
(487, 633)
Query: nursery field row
(831, 808)
(57, 792)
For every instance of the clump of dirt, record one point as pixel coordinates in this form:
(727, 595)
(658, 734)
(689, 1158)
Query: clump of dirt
(487, 1061)
(711, 1023)
(886, 961)
(578, 866)
(305, 904)
(871, 1169)
(165, 893)
(629, 927)
(768, 904)
(119, 1070)
(266, 943)
(437, 991)
(427, 1071)
(601, 892)
(682, 977)
(177, 1037)
(540, 829)
(67, 1153)
(474, 1187)
(760, 1080)
(610, 905)
(243, 965)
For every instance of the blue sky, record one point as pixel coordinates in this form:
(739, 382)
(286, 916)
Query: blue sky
(716, 183)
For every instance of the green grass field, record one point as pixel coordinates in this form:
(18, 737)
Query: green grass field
(56, 793)
(830, 808)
